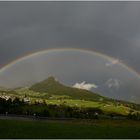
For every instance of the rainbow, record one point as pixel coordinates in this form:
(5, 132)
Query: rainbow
(45, 51)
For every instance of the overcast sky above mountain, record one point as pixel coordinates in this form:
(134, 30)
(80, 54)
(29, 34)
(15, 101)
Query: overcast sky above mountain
(112, 28)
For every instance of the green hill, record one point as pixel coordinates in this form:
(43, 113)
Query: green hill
(53, 87)
(52, 91)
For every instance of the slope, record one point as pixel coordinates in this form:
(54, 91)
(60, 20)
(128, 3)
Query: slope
(53, 87)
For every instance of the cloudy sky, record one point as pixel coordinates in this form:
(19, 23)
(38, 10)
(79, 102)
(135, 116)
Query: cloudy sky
(111, 28)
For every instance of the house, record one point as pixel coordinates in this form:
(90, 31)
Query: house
(26, 100)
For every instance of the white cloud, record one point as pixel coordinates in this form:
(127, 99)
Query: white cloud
(84, 85)
(113, 83)
(112, 62)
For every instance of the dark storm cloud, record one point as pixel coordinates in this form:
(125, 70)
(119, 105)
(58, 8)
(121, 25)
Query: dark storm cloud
(112, 28)
(109, 27)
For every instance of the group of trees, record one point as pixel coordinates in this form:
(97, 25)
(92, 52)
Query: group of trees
(16, 106)
(10, 105)
(61, 111)
(134, 115)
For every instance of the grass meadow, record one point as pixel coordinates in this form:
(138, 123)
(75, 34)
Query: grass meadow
(69, 129)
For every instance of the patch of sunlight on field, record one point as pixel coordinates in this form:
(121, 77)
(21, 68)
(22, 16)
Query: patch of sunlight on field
(108, 108)
(78, 103)
(116, 109)
(30, 93)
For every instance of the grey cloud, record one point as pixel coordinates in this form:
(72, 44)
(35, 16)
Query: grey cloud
(113, 83)
(112, 28)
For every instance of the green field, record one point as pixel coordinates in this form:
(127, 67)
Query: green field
(106, 106)
(69, 129)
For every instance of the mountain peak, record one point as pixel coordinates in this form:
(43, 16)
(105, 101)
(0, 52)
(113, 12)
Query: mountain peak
(51, 78)
(44, 85)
